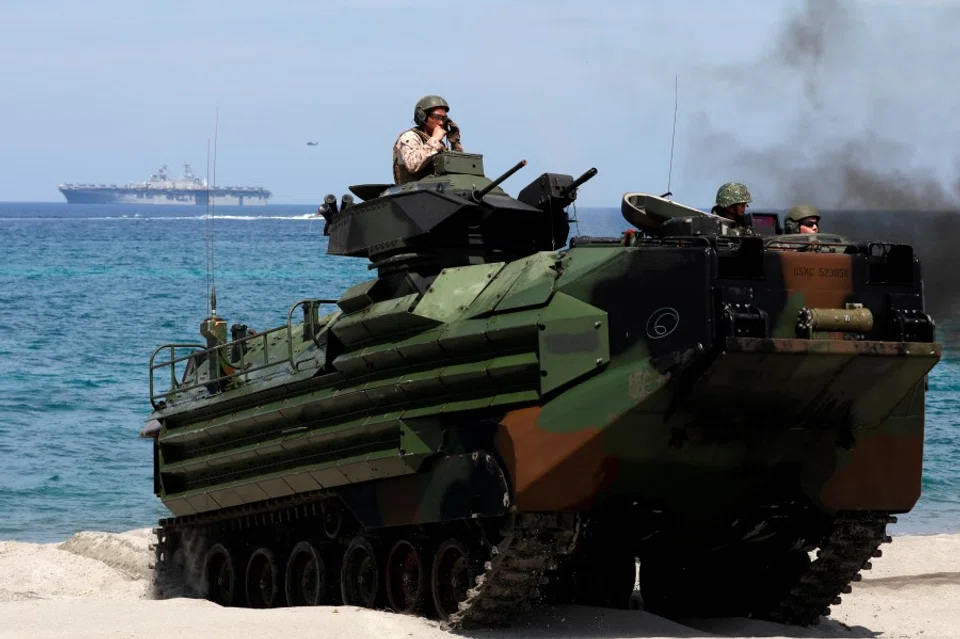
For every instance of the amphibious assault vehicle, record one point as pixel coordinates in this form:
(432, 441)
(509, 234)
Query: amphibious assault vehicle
(505, 416)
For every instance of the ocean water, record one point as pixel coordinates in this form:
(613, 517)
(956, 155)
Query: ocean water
(88, 291)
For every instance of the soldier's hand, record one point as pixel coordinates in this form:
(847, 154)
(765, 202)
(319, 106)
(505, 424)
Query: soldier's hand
(454, 139)
(438, 133)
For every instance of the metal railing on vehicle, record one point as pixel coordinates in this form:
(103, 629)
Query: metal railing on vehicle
(227, 361)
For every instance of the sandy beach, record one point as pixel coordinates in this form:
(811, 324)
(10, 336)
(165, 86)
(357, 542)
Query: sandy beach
(97, 585)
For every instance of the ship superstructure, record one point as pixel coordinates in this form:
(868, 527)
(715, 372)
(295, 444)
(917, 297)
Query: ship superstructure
(160, 189)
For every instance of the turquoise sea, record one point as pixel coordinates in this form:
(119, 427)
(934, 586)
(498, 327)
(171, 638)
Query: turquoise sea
(88, 291)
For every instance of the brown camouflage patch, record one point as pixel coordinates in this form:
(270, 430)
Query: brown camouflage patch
(559, 471)
(882, 472)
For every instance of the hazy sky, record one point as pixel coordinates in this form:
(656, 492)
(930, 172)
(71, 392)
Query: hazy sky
(105, 91)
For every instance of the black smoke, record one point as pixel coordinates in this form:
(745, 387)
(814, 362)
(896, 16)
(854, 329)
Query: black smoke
(869, 183)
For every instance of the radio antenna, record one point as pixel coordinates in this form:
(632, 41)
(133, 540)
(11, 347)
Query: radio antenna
(207, 220)
(673, 136)
(211, 218)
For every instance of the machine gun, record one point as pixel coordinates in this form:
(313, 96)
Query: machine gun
(554, 191)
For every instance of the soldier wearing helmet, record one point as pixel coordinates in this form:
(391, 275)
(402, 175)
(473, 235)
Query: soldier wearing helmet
(732, 201)
(802, 218)
(414, 149)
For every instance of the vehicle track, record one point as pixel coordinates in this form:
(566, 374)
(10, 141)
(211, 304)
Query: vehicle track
(855, 539)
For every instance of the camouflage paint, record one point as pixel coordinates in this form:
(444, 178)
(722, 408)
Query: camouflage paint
(553, 471)
(614, 385)
(471, 377)
(451, 487)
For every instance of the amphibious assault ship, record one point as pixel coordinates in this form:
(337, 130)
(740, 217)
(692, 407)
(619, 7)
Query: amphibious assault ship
(160, 189)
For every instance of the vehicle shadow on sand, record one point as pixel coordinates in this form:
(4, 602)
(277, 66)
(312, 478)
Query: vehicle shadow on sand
(601, 623)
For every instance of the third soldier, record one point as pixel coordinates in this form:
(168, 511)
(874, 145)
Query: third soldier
(802, 218)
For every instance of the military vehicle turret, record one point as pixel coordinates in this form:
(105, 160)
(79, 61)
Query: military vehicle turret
(504, 415)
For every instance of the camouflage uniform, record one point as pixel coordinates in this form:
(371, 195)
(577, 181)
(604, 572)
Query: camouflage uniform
(798, 213)
(411, 154)
(414, 149)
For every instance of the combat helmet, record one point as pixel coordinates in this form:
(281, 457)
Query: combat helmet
(426, 103)
(791, 223)
(733, 193)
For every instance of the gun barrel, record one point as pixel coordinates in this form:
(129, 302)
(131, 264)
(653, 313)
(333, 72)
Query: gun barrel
(478, 195)
(580, 180)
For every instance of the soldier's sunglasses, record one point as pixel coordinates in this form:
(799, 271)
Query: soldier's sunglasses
(810, 222)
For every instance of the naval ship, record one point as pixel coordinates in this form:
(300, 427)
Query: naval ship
(160, 189)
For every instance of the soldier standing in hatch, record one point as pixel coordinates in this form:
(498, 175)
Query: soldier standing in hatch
(414, 149)
(732, 201)
(802, 218)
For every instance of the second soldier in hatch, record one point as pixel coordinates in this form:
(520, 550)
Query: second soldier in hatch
(414, 150)
(732, 201)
